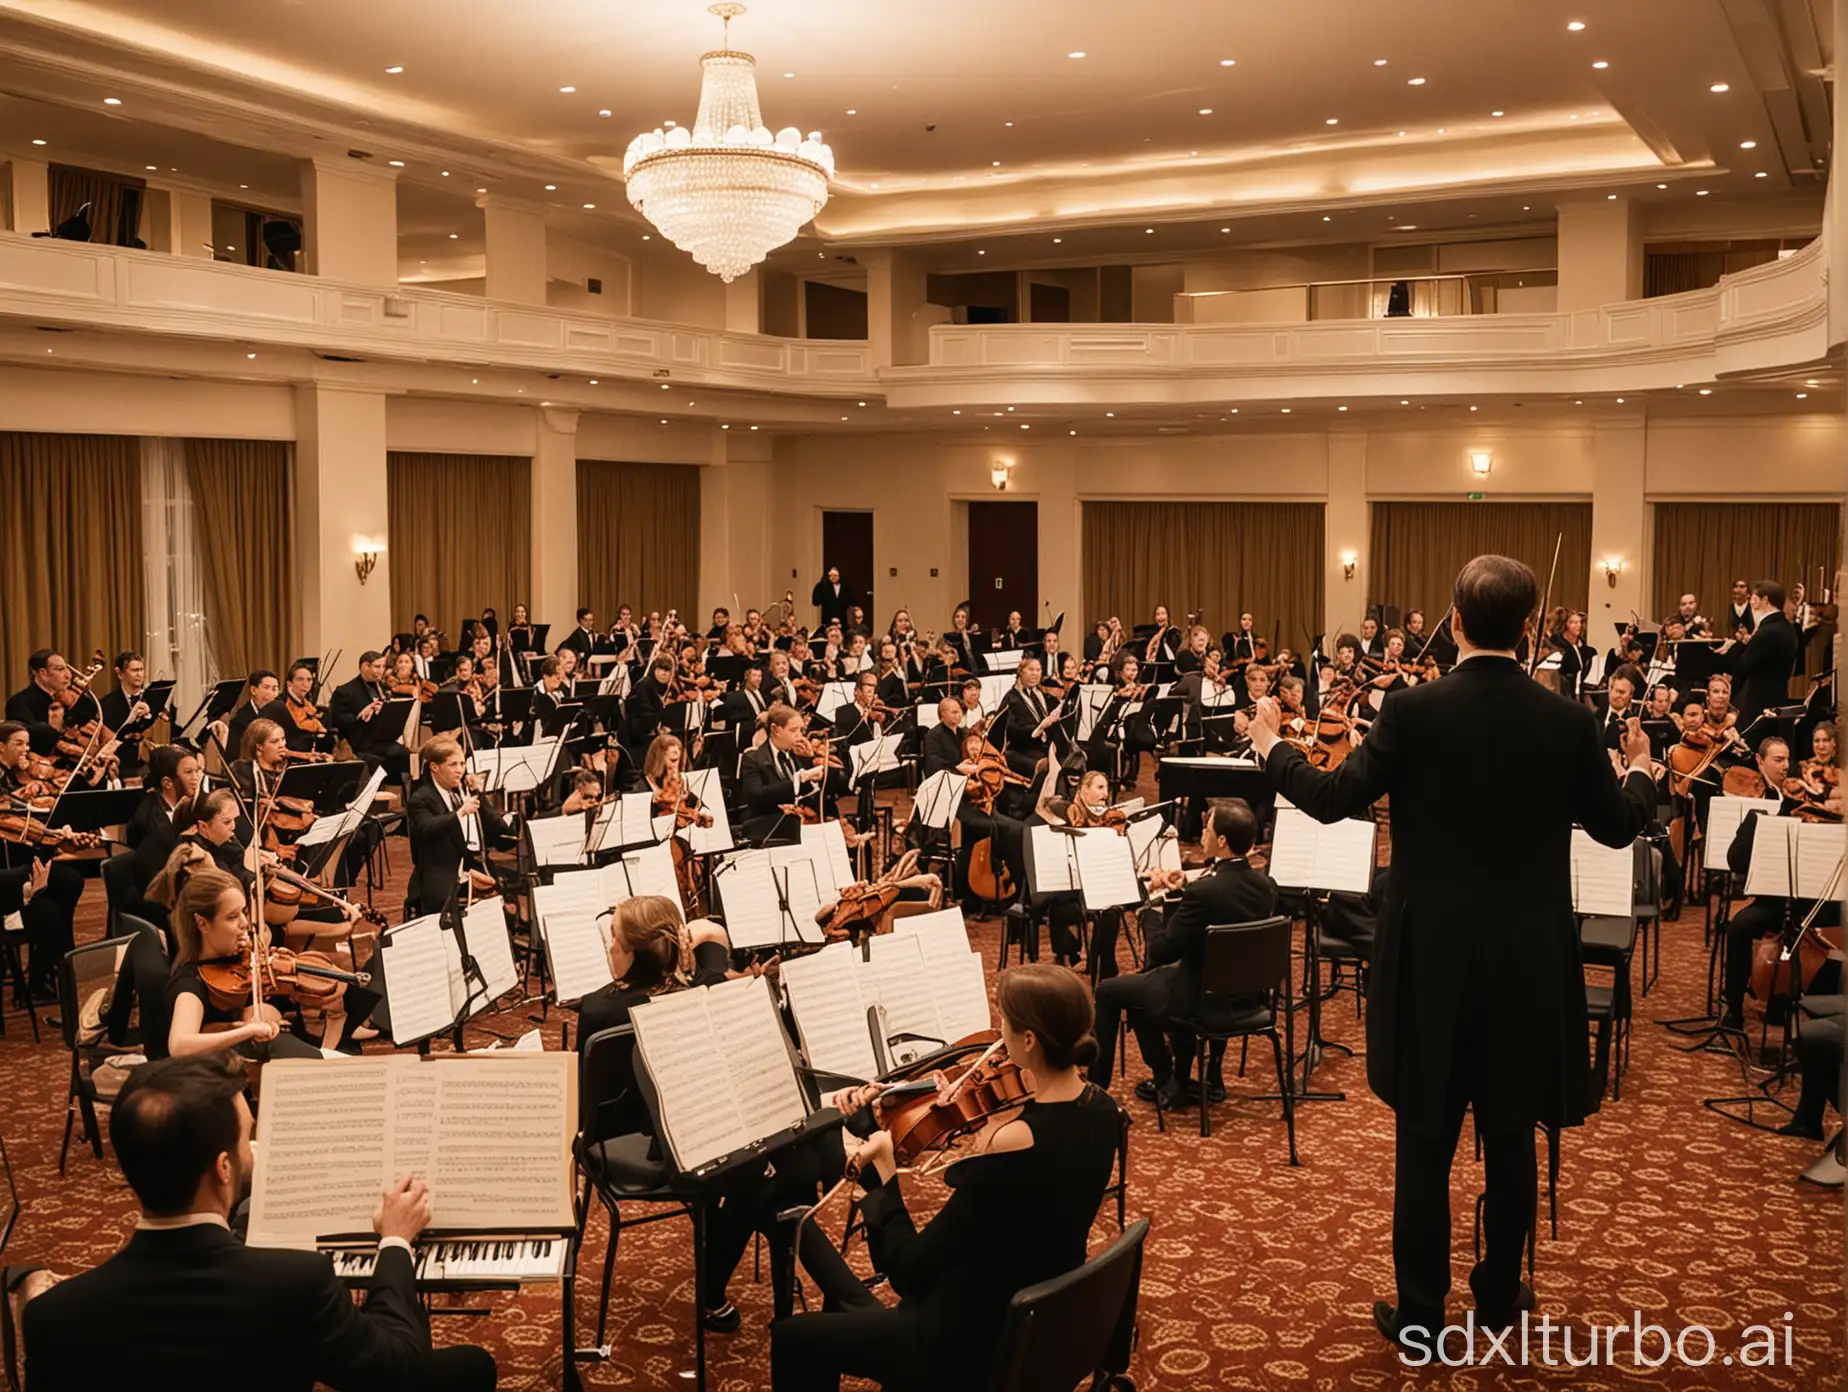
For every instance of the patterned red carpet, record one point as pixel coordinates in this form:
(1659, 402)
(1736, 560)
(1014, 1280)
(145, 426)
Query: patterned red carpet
(1258, 1276)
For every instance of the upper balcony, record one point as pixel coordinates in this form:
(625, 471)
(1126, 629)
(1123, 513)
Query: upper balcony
(1757, 321)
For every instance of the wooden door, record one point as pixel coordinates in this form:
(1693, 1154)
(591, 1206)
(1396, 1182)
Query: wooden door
(1004, 562)
(847, 545)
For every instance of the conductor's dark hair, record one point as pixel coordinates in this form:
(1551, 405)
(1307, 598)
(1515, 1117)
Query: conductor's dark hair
(1055, 1003)
(1770, 592)
(1233, 820)
(1495, 596)
(38, 661)
(170, 1123)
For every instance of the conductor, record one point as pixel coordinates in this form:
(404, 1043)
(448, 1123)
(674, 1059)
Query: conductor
(1478, 995)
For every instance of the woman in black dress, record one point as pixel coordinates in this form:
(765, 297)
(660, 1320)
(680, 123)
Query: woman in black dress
(1019, 1213)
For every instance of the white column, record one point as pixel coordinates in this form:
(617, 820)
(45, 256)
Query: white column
(340, 495)
(895, 289)
(1600, 253)
(555, 597)
(1619, 527)
(734, 524)
(350, 220)
(1345, 532)
(744, 308)
(516, 251)
(28, 195)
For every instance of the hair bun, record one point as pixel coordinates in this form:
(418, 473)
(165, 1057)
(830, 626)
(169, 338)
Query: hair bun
(1084, 1052)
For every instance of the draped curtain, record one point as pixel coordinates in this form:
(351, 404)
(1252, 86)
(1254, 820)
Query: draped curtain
(1418, 548)
(638, 538)
(70, 548)
(1223, 559)
(115, 203)
(240, 498)
(460, 536)
(1701, 548)
(174, 580)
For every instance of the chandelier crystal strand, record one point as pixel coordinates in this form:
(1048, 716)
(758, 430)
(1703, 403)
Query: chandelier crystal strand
(728, 192)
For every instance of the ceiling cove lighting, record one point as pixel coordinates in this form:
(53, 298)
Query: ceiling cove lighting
(728, 192)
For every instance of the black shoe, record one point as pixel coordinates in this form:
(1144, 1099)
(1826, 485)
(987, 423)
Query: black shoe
(1497, 1320)
(1173, 1096)
(724, 1320)
(1808, 1130)
(1386, 1320)
(1215, 1089)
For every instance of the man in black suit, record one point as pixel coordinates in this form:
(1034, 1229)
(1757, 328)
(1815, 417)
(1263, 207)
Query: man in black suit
(36, 704)
(356, 710)
(1760, 665)
(1169, 984)
(184, 1304)
(833, 596)
(1023, 718)
(1478, 994)
(451, 830)
(582, 640)
(742, 706)
(771, 775)
(1744, 614)
(942, 749)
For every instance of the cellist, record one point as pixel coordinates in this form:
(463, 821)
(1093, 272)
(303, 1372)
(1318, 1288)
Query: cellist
(948, 745)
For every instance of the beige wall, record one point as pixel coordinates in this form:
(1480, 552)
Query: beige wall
(675, 289)
(113, 404)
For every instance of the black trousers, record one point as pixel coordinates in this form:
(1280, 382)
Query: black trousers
(461, 1368)
(1762, 918)
(799, 1176)
(1009, 837)
(1146, 997)
(48, 921)
(1819, 1057)
(853, 1335)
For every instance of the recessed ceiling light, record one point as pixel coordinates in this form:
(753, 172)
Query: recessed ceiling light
(1405, 403)
(1761, 175)
(40, 142)
(1235, 410)
(567, 90)
(1071, 432)
(1720, 87)
(1498, 113)
(1415, 82)
(151, 167)
(1600, 64)
(646, 237)
(112, 101)
(593, 381)
(663, 420)
(1057, 240)
(980, 252)
(788, 74)
(250, 355)
(1379, 62)
(955, 413)
(1700, 193)
(1573, 116)
(1225, 229)
(1228, 62)
(1150, 231)
(1802, 396)
(1611, 196)
(667, 386)
(589, 206)
(1109, 413)
(551, 188)
(843, 418)
(395, 164)
(859, 403)
(1812, 383)
(1023, 426)
(997, 164)
(1575, 25)
(1472, 408)
(395, 69)
(455, 236)
(1706, 391)
(1620, 401)
(1661, 186)
(1527, 207)
(854, 111)
(1578, 402)
(753, 427)
(1332, 121)
(1341, 408)
(1286, 410)
(1206, 111)
(1748, 144)
(445, 173)
(606, 112)
(1076, 53)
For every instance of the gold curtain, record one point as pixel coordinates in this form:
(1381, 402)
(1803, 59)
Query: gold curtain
(1703, 547)
(460, 536)
(1264, 559)
(242, 492)
(113, 200)
(1418, 548)
(638, 540)
(70, 548)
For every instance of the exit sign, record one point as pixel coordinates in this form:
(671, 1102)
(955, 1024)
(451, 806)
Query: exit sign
(1474, 497)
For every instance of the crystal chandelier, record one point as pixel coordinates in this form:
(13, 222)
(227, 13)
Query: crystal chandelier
(728, 192)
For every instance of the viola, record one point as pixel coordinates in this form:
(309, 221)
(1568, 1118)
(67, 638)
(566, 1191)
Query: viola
(286, 893)
(26, 830)
(989, 1089)
(860, 905)
(307, 978)
(304, 716)
(991, 775)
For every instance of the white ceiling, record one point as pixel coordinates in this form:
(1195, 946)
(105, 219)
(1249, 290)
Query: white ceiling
(1100, 147)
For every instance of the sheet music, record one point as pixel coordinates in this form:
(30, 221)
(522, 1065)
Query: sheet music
(1305, 854)
(902, 985)
(833, 843)
(1603, 878)
(940, 926)
(557, 840)
(325, 1149)
(995, 687)
(1149, 847)
(1725, 815)
(503, 1140)
(960, 988)
(751, 1039)
(834, 695)
(1783, 845)
(411, 1147)
(875, 756)
(1092, 698)
(1106, 874)
(1053, 862)
(925, 713)
(326, 829)
(700, 1120)
(647, 871)
(798, 876)
(576, 941)
(748, 901)
(1005, 659)
(492, 946)
(830, 1012)
(939, 796)
(418, 971)
(705, 785)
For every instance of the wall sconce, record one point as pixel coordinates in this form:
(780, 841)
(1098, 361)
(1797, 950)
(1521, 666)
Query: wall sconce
(1000, 472)
(366, 552)
(1481, 461)
(1612, 566)
(1349, 559)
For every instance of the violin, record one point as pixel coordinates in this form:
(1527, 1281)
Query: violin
(80, 681)
(286, 893)
(418, 689)
(821, 754)
(307, 756)
(26, 830)
(991, 775)
(307, 978)
(945, 1109)
(860, 905)
(304, 716)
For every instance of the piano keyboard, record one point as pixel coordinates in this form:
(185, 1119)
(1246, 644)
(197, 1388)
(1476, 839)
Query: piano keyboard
(485, 1261)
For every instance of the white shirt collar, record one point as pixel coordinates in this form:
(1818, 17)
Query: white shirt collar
(185, 1220)
(1486, 652)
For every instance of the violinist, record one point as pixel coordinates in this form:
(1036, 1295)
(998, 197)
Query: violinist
(586, 793)
(1020, 1212)
(624, 634)
(1575, 654)
(1621, 691)
(261, 764)
(647, 705)
(1415, 639)
(520, 630)
(464, 684)
(358, 712)
(125, 710)
(1817, 781)
(721, 621)
(43, 890)
(1088, 806)
(1137, 735)
(892, 691)
(663, 769)
(1168, 986)
(857, 658)
(1693, 623)
(969, 697)
(451, 829)
(869, 906)
(743, 705)
(952, 744)
(902, 632)
(1193, 657)
(1372, 641)
(403, 679)
(1198, 689)
(549, 693)
(1347, 662)
(582, 640)
(1097, 643)
(262, 688)
(962, 638)
(1025, 718)
(173, 780)
(44, 704)
(1766, 915)
(298, 715)
(773, 775)
(778, 687)
(862, 718)
(1239, 646)
(424, 653)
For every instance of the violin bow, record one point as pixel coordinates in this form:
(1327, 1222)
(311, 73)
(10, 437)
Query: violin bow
(1533, 656)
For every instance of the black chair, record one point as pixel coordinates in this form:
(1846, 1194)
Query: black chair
(84, 973)
(14, 944)
(1609, 943)
(120, 890)
(1076, 1328)
(615, 1153)
(1344, 944)
(1244, 970)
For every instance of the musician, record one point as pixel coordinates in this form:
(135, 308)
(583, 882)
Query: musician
(646, 707)
(1238, 644)
(1013, 636)
(862, 718)
(1818, 778)
(1766, 914)
(742, 706)
(181, 1131)
(772, 774)
(36, 705)
(261, 689)
(777, 683)
(298, 716)
(1164, 643)
(1257, 686)
(969, 696)
(1019, 1213)
(450, 827)
(356, 710)
(124, 707)
(1372, 641)
(962, 638)
(1096, 642)
(1415, 639)
(1760, 664)
(1193, 656)
(1137, 735)
(1575, 654)
(582, 640)
(172, 783)
(1168, 986)
(1024, 713)
(833, 596)
(1461, 1015)
(856, 659)
(1622, 706)
(1742, 614)
(891, 689)
(42, 889)
(1347, 658)
(952, 744)
(465, 684)
(424, 653)
(1693, 624)
(902, 631)
(520, 630)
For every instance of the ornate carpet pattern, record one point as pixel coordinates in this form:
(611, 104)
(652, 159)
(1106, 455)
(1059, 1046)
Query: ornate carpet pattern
(1257, 1276)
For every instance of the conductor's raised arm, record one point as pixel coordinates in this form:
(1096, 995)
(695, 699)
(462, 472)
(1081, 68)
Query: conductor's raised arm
(1614, 810)
(1332, 796)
